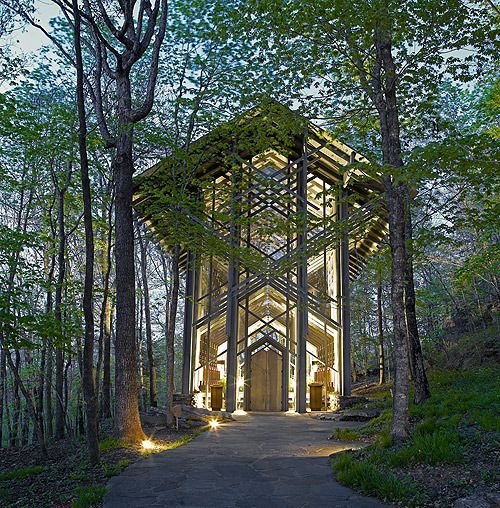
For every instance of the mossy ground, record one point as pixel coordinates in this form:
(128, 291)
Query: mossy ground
(452, 450)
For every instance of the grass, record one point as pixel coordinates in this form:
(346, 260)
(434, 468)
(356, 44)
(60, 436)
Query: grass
(346, 435)
(439, 447)
(111, 443)
(462, 414)
(110, 470)
(374, 481)
(20, 474)
(86, 497)
(161, 447)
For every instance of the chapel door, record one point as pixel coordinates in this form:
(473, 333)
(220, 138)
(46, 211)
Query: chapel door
(266, 380)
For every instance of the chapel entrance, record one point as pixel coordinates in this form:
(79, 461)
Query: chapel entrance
(266, 380)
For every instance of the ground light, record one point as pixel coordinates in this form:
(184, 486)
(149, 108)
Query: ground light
(148, 444)
(214, 424)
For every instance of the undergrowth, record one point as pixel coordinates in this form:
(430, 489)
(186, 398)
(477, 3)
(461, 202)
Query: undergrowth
(462, 414)
(374, 481)
(86, 497)
(20, 474)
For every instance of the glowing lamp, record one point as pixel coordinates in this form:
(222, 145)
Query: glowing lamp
(214, 424)
(148, 445)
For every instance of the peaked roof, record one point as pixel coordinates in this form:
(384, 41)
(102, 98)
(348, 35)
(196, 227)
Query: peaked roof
(272, 127)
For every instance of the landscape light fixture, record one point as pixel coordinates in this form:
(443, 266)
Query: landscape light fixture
(148, 444)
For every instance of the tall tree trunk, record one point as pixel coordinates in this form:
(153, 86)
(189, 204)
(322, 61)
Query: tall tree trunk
(153, 394)
(89, 392)
(61, 271)
(380, 324)
(128, 424)
(3, 377)
(170, 364)
(417, 367)
(396, 199)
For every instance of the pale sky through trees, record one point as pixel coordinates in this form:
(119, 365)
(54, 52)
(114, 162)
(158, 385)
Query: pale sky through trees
(31, 39)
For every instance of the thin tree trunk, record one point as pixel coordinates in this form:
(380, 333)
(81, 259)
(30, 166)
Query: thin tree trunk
(381, 356)
(105, 323)
(3, 372)
(89, 391)
(170, 364)
(41, 384)
(140, 362)
(61, 271)
(153, 394)
(29, 401)
(48, 392)
(16, 416)
(66, 395)
(106, 369)
(417, 367)
(106, 316)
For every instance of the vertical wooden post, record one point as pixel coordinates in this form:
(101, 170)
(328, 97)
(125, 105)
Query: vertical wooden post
(188, 324)
(209, 330)
(232, 304)
(286, 354)
(194, 327)
(302, 312)
(246, 375)
(345, 296)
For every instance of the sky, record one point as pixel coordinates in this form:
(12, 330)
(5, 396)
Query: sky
(30, 39)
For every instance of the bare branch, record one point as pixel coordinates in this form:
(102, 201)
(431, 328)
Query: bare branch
(146, 107)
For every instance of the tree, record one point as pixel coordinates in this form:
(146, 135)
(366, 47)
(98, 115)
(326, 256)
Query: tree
(361, 57)
(89, 388)
(134, 38)
(143, 245)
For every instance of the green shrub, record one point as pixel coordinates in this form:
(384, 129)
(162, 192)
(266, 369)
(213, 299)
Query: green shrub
(111, 443)
(86, 497)
(345, 435)
(368, 479)
(19, 474)
(123, 464)
(4, 493)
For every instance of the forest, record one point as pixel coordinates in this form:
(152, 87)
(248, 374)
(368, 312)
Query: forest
(92, 303)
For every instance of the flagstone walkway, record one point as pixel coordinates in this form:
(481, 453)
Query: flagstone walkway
(259, 461)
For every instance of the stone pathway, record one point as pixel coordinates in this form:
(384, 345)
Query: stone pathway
(261, 460)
